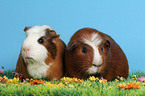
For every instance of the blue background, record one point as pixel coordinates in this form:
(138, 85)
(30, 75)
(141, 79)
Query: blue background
(123, 20)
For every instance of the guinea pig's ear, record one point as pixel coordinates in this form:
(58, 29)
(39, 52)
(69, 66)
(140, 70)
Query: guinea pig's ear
(55, 38)
(107, 44)
(26, 28)
(72, 46)
(50, 33)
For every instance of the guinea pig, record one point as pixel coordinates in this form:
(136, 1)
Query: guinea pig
(91, 52)
(42, 54)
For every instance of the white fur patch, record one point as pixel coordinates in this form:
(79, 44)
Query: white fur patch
(94, 40)
(37, 53)
(37, 30)
(92, 70)
(38, 70)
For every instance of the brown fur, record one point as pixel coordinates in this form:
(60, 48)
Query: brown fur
(21, 67)
(56, 69)
(26, 28)
(56, 49)
(76, 63)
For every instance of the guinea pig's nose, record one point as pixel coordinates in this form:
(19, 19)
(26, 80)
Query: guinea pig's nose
(26, 52)
(96, 65)
(26, 49)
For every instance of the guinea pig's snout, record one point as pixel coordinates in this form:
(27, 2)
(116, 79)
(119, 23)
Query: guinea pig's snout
(26, 49)
(26, 52)
(97, 65)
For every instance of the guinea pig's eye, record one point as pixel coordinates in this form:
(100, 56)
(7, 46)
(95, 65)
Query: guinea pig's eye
(84, 50)
(40, 41)
(101, 48)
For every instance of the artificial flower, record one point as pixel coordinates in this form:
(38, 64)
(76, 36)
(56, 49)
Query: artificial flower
(4, 79)
(53, 85)
(134, 77)
(35, 82)
(70, 85)
(68, 80)
(14, 80)
(116, 80)
(121, 78)
(93, 78)
(1, 71)
(20, 76)
(104, 81)
(131, 85)
(141, 79)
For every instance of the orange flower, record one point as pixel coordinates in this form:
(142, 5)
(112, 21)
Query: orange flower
(36, 82)
(131, 85)
(4, 79)
(77, 80)
(27, 79)
(1, 78)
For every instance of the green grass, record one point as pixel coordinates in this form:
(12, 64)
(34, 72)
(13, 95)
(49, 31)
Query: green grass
(95, 89)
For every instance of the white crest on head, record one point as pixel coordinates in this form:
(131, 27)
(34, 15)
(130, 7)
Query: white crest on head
(34, 53)
(94, 40)
(37, 30)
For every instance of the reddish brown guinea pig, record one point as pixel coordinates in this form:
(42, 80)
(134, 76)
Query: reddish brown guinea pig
(42, 54)
(91, 52)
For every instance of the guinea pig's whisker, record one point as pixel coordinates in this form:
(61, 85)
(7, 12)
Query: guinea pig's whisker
(82, 68)
(85, 75)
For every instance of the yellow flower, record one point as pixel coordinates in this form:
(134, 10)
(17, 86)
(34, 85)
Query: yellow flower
(21, 84)
(48, 84)
(66, 83)
(3, 84)
(104, 81)
(97, 78)
(60, 84)
(121, 78)
(28, 84)
(6, 78)
(92, 78)
(121, 85)
(54, 85)
(116, 80)
(83, 85)
(137, 82)
(68, 80)
(14, 80)
(100, 81)
(70, 85)
(134, 76)
(143, 83)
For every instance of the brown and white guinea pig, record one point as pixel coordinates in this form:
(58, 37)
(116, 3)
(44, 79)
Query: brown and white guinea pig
(42, 54)
(91, 52)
